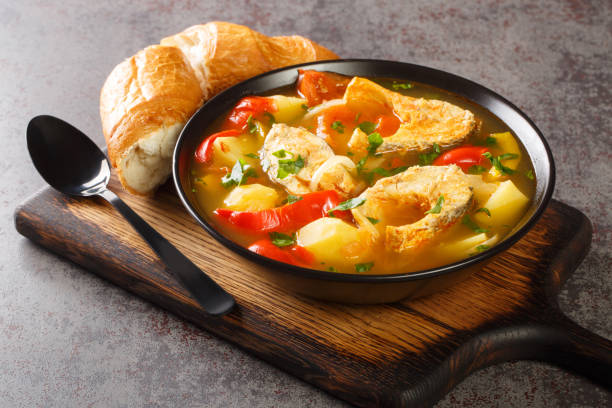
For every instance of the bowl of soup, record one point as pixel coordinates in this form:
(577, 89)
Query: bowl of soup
(363, 181)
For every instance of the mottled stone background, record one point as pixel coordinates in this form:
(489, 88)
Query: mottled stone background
(68, 339)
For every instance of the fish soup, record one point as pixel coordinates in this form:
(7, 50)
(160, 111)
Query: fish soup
(358, 175)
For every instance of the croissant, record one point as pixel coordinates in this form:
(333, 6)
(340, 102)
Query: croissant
(147, 99)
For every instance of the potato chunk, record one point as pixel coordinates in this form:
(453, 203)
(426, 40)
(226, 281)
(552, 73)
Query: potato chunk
(333, 241)
(506, 206)
(251, 197)
(289, 108)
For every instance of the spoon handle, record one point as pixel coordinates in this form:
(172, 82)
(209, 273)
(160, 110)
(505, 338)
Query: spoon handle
(213, 299)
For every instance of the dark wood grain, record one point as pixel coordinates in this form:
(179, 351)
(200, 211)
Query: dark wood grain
(404, 354)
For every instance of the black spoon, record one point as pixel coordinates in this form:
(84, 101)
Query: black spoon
(72, 164)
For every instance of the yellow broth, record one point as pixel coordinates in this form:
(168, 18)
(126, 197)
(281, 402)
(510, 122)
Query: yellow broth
(457, 242)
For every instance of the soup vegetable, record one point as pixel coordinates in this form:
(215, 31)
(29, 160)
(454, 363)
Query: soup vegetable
(356, 175)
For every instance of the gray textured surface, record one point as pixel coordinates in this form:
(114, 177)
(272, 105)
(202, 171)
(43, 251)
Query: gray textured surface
(68, 339)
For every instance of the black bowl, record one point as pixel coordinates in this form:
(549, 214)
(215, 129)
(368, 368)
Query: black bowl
(360, 288)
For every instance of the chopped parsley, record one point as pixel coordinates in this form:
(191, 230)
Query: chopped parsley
(293, 198)
(363, 267)
(489, 141)
(398, 85)
(239, 174)
(270, 117)
(374, 140)
(332, 269)
(338, 126)
(251, 124)
(200, 180)
(436, 208)
(289, 166)
(281, 154)
(529, 175)
(305, 107)
(481, 248)
(348, 204)
(360, 164)
(426, 159)
(467, 221)
(508, 156)
(367, 127)
(496, 161)
(282, 240)
(252, 155)
(349, 153)
(193, 190)
(374, 221)
(484, 210)
(476, 169)
(369, 176)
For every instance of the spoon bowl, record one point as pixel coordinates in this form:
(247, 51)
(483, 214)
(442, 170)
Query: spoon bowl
(73, 164)
(66, 158)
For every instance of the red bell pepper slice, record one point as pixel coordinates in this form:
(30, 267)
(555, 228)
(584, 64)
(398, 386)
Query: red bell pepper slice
(254, 106)
(294, 254)
(464, 157)
(288, 218)
(204, 152)
(318, 87)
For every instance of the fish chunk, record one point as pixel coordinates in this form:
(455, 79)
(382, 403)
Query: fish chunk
(322, 169)
(424, 121)
(399, 203)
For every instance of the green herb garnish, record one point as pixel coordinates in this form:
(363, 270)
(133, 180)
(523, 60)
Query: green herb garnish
(270, 117)
(436, 208)
(338, 126)
(481, 248)
(529, 175)
(282, 240)
(281, 154)
(349, 153)
(193, 190)
(364, 267)
(293, 198)
(332, 269)
(367, 127)
(239, 174)
(252, 155)
(476, 169)
(251, 124)
(374, 140)
(305, 107)
(489, 141)
(397, 85)
(374, 221)
(369, 175)
(426, 159)
(360, 164)
(348, 204)
(484, 210)
(496, 161)
(467, 221)
(289, 166)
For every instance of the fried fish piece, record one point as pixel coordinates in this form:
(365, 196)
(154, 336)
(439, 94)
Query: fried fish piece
(400, 203)
(311, 162)
(424, 121)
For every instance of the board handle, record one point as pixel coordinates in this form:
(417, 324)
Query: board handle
(577, 349)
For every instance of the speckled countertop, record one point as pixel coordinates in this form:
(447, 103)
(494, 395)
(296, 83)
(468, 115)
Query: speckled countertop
(69, 339)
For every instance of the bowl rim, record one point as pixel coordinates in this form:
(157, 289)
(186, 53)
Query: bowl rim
(357, 277)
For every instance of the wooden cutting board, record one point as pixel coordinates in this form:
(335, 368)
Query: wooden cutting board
(404, 354)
